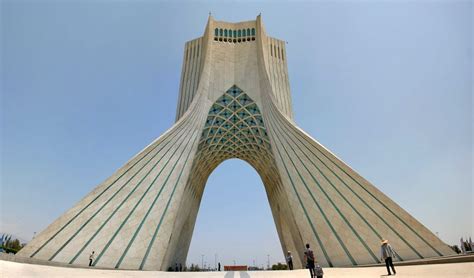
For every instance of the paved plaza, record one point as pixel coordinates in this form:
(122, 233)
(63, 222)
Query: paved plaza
(15, 270)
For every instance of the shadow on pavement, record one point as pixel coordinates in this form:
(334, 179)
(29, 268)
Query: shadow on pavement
(229, 274)
(244, 274)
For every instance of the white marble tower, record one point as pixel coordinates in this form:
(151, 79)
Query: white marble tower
(234, 102)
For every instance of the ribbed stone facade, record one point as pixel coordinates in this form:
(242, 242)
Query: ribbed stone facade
(234, 102)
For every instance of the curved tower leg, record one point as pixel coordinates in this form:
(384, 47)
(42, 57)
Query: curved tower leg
(126, 217)
(342, 215)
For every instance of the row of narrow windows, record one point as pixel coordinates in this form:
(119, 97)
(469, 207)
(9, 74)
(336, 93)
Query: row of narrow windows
(276, 51)
(234, 33)
(234, 40)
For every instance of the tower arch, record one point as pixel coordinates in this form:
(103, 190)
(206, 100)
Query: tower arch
(235, 129)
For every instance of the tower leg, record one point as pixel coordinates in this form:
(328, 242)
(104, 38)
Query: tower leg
(339, 213)
(125, 220)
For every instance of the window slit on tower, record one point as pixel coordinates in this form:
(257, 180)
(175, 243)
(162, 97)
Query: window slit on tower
(235, 36)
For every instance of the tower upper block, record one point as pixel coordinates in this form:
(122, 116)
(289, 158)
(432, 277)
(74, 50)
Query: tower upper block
(234, 102)
(235, 53)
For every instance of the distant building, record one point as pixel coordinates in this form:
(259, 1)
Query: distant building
(235, 268)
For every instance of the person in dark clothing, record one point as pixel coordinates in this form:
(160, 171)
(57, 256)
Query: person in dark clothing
(289, 260)
(219, 267)
(91, 258)
(309, 259)
(386, 254)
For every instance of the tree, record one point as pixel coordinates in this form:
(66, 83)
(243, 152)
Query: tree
(456, 249)
(9, 245)
(467, 246)
(194, 267)
(279, 266)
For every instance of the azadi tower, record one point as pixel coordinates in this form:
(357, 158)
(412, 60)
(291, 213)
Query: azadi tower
(234, 102)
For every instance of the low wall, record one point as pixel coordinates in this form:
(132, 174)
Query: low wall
(436, 260)
(26, 260)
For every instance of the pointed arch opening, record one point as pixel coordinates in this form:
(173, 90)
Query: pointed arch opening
(234, 202)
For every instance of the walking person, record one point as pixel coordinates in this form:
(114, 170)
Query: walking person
(386, 254)
(289, 260)
(91, 258)
(309, 259)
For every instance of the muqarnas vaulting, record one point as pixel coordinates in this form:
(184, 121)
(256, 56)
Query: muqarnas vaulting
(234, 102)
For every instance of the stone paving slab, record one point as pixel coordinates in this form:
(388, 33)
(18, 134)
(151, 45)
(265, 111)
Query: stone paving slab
(458, 270)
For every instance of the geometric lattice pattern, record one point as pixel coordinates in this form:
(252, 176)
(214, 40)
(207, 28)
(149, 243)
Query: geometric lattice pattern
(234, 127)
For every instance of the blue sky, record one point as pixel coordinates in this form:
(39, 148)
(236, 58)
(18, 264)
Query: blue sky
(385, 85)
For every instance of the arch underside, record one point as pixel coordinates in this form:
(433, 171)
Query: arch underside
(234, 128)
(143, 216)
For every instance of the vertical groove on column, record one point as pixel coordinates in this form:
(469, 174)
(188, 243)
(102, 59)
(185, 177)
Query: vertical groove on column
(189, 75)
(182, 106)
(193, 73)
(196, 70)
(281, 78)
(277, 76)
(286, 85)
(274, 75)
(181, 85)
